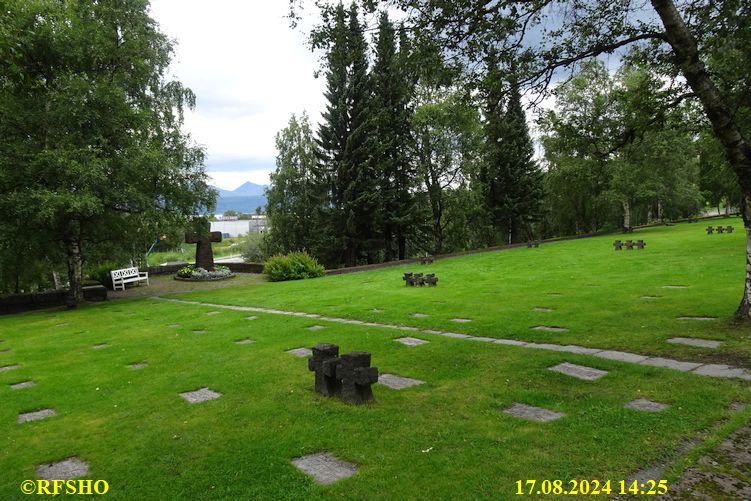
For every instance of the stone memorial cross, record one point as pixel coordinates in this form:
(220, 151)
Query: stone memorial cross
(324, 362)
(204, 253)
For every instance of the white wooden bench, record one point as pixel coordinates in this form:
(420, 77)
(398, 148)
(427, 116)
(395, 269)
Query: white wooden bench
(127, 276)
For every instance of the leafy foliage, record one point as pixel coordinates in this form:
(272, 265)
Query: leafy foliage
(293, 266)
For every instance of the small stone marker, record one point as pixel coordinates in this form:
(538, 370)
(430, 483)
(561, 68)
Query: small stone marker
(100, 346)
(315, 327)
(300, 352)
(579, 371)
(200, 331)
(324, 467)
(419, 315)
(214, 312)
(36, 415)
(357, 376)
(139, 365)
(398, 382)
(7, 368)
(549, 328)
(411, 341)
(61, 325)
(710, 230)
(244, 341)
(675, 287)
(699, 343)
(376, 310)
(22, 385)
(532, 413)
(649, 297)
(461, 320)
(200, 395)
(324, 362)
(642, 404)
(174, 326)
(252, 317)
(63, 470)
(697, 318)
(545, 310)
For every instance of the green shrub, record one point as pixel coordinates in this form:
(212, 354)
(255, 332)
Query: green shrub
(254, 248)
(293, 266)
(101, 273)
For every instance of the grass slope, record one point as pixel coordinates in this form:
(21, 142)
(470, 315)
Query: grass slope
(595, 292)
(442, 440)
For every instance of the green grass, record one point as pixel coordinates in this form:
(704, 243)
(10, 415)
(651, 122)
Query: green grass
(445, 439)
(599, 289)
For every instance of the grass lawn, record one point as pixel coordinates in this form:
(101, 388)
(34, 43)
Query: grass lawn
(445, 439)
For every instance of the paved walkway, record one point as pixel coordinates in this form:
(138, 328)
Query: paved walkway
(710, 370)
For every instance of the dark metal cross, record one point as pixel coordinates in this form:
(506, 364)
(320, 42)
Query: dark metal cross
(204, 253)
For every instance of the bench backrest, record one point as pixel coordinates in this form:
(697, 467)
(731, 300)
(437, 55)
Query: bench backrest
(124, 273)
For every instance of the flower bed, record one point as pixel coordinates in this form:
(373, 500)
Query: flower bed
(193, 274)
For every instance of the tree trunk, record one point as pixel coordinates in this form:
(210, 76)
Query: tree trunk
(737, 149)
(75, 271)
(626, 215)
(660, 211)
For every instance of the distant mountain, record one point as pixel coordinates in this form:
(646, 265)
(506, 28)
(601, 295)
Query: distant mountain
(243, 199)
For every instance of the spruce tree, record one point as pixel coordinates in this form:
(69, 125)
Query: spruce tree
(511, 179)
(392, 92)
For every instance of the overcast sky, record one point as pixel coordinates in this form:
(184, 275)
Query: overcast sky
(250, 71)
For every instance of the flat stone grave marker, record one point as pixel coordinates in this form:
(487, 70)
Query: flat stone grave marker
(675, 287)
(411, 341)
(200, 331)
(139, 365)
(699, 343)
(252, 317)
(545, 310)
(100, 346)
(649, 297)
(63, 470)
(315, 327)
(461, 320)
(533, 413)
(244, 341)
(61, 325)
(398, 382)
(697, 318)
(324, 467)
(22, 385)
(549, 328)
(6, 368)
(642, 404)
(200, 395)
(35, 415)
(174, 326)
(579, 371)
(301, 352)
(214, 312)
(377, 310)
(554, 294)
(6, 350)
(420, 315)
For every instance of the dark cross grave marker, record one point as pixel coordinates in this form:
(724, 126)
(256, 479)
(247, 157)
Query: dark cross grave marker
(357, 376)
(710, 230)
(720, 229)
(729, 229)
(204, 253)
(618, 245)
(324, 362)
(640, 244)
(629, 245)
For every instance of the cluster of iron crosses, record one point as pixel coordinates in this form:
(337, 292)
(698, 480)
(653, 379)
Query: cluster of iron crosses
(348, 376)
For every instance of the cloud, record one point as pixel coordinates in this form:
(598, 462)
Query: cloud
(250, 71)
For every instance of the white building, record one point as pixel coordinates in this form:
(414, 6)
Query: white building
(256, 224)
